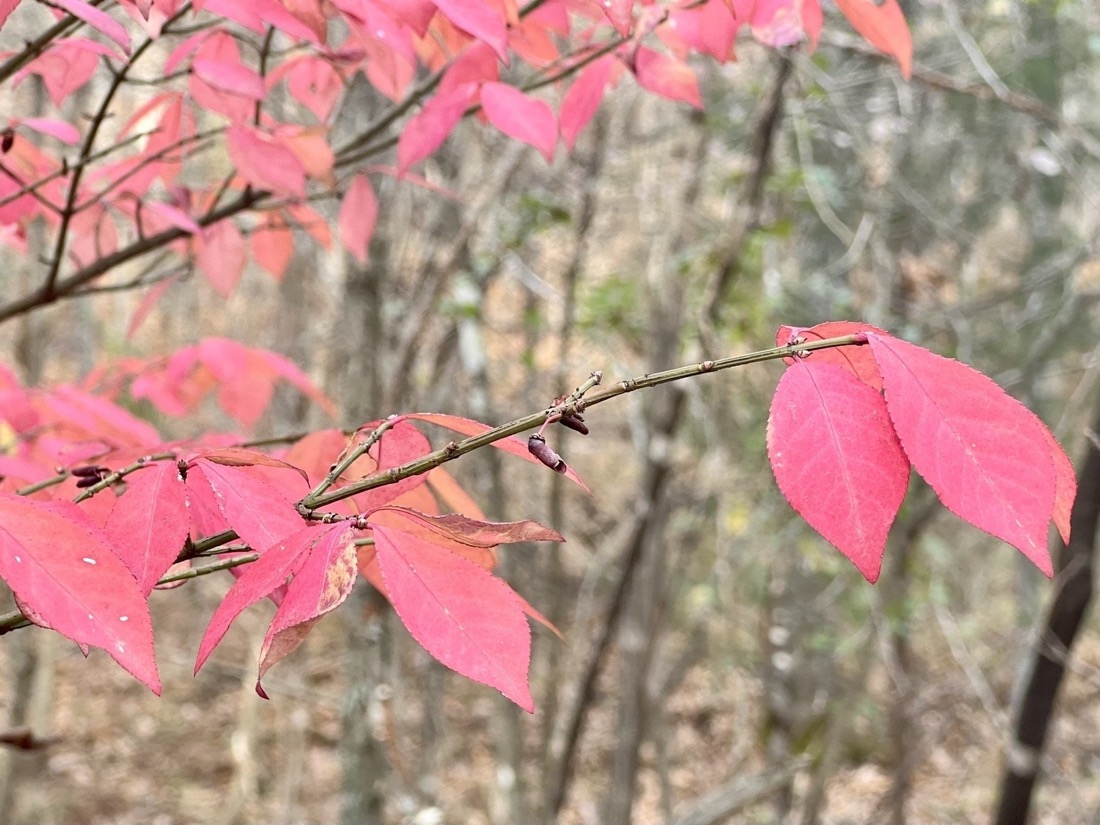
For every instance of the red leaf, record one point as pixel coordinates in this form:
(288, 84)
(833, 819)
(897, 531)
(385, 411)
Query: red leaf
(314, 83)
(1066, 481)
(981, 450)
(272, 245)
(479, 533)
(6, 8)
(219, 57)
(98, 20)
(524, 118)
(264, 162)
(451, 495)
(173, 216)
(468, 427)
(358, 215)
(231, 77)
(240, 457)
(883, 25)
(221, 256)
(857, 360)
(149, 523)
(426, 131)
(256, 511)
(67, 66)
(667, 77)
(620, 14)
(258, 580)
(583, 99)
(286, 369)
(66, 576)
(479, 19)
(416, 14)
(312, 222)
(463, 616)
(709, 28)
(398, 445)
(322, 582)
(60, 129)
(779, 23)
(837, 460)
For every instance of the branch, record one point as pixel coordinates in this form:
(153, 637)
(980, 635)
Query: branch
(529, 422)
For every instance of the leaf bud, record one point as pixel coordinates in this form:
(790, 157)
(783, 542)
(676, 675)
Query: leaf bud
(544, 453)
(88, 471)
(574, 421)
(7, 140)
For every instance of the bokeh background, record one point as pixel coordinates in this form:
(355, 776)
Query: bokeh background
(721, 662)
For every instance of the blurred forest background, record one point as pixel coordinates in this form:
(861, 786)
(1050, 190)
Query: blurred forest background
(721, 663)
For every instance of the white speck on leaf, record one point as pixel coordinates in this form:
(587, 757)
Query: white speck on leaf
(124, 618)
(88, 560)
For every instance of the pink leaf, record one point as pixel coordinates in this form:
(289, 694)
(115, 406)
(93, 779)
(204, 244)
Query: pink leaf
(667, 77)
(258, 580)
(519, 116)
(66, 576)
(149, 523)
(173, 216)
(583, 98)
(358, 215)
(148, 302)
(60, 129)
(265, 163)
(321, 583)
(883, 25)
(463, 616)
(221, 256)
(468, 427)
(230, 77)
(981, 450)
(480, 20)
(256, 511)
(98, 20)
(837, 460)
(426, 131)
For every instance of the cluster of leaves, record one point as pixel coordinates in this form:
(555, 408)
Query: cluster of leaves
(96, 511)
(846, 424)
(262, 83)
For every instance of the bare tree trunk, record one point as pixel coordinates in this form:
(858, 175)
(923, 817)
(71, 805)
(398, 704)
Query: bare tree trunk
(1073, 593)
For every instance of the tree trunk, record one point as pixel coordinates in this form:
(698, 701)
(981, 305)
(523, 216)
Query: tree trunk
(1072, 594)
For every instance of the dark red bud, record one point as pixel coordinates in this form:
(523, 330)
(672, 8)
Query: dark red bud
(574, 422)
(542, 451)
(7, 140)
(88, 471)
(87, 481)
